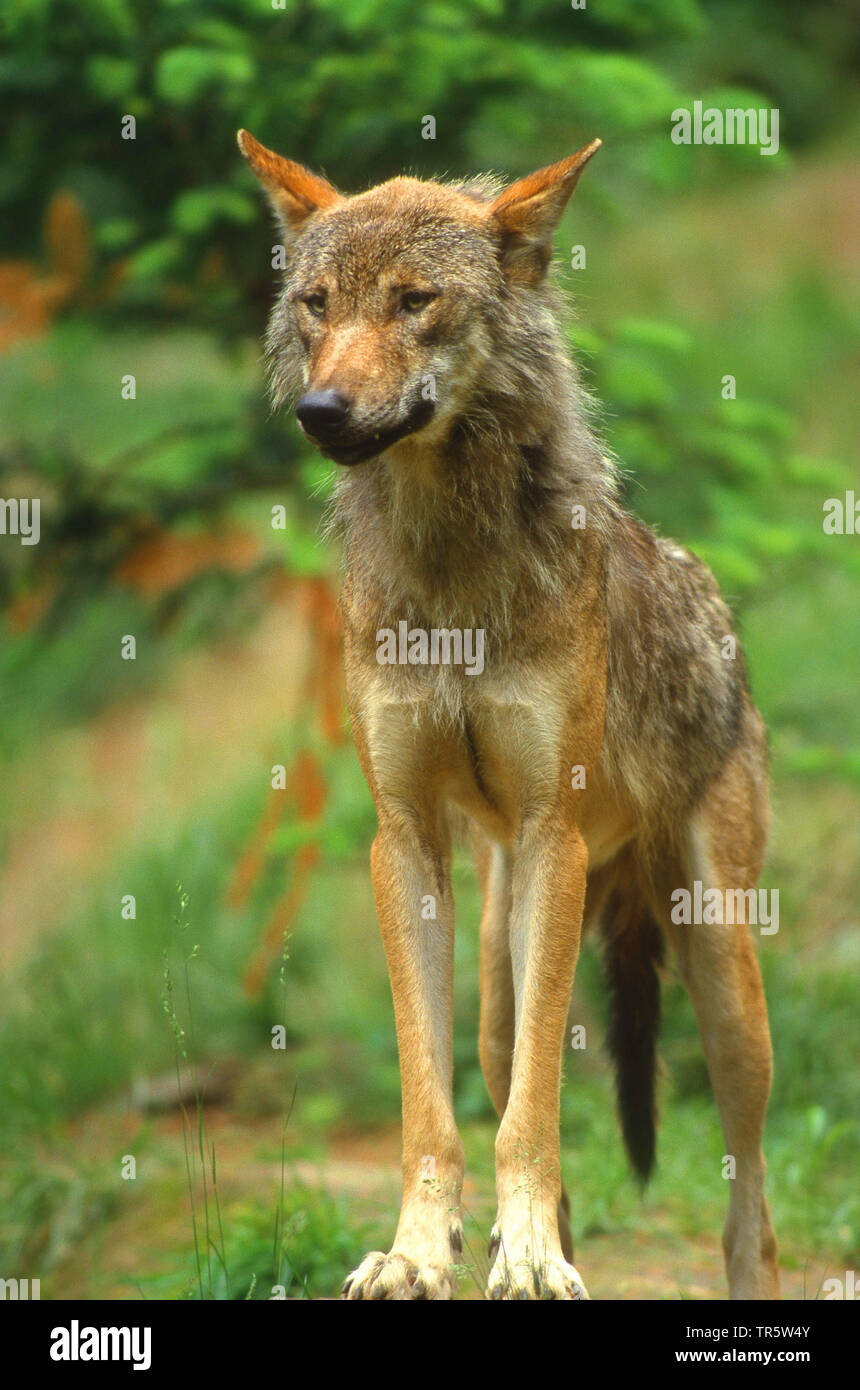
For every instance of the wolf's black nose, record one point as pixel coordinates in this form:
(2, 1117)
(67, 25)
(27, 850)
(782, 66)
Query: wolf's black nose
(322, 413)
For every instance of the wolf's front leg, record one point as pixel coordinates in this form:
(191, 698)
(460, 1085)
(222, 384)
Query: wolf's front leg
(548, 897)
(413, 896)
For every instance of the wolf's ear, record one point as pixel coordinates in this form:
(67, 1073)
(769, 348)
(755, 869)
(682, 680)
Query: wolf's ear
(294, 192)
(528, 212)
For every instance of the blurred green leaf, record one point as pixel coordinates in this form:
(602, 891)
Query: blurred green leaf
(156, 258)
(111, 78)
(660, 337)
(184, 74)
(199, 209)
(630, 381)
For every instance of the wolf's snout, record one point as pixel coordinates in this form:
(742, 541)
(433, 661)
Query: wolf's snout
(322, 413)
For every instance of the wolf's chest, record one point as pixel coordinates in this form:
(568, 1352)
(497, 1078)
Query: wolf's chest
(490, 743)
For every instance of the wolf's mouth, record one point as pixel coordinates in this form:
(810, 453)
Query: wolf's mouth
(364, 447)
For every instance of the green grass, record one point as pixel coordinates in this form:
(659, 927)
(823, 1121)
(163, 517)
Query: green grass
(95, 992)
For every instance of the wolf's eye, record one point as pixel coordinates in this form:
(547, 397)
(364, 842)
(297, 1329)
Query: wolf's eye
(316, 304)
(413, 301)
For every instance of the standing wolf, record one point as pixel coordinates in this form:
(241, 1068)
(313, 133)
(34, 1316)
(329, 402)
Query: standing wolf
(606, 755)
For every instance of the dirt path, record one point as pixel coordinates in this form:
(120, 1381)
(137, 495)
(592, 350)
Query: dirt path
(650, 1260)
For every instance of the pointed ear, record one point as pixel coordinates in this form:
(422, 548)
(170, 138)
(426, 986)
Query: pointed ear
(294, 192)
(528, 212)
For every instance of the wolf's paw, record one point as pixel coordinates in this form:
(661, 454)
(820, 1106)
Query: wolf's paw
(396, 1277)
(532, 1278)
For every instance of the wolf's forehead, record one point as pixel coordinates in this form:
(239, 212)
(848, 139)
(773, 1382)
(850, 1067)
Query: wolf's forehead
(394, 228)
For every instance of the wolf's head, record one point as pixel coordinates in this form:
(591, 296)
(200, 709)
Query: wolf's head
(395, 301)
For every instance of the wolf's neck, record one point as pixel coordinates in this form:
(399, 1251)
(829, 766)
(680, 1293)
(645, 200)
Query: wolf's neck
(457, 527)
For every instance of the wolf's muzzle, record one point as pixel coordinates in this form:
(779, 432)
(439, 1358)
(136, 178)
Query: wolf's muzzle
(348, 446)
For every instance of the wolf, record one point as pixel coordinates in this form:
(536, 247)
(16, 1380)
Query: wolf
(608, 753)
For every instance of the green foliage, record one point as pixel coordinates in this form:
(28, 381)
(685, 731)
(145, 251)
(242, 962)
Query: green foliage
(345, 87)
(179, 227)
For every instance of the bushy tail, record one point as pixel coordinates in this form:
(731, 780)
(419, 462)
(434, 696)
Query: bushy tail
(633, 953)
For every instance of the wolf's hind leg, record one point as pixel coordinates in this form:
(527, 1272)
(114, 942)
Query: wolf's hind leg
(720, 971)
